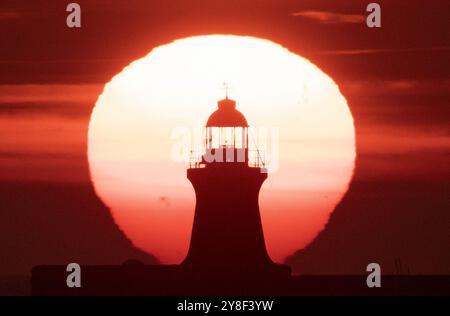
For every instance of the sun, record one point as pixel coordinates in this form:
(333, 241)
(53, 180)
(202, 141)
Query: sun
(144, 111)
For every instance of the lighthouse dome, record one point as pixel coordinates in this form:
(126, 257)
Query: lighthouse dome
(226, 115)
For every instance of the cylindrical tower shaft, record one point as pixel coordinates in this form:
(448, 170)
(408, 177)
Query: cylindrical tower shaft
(227, 233)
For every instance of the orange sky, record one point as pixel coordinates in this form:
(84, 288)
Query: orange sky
(395, 80)
(42, 135)
(49, 147)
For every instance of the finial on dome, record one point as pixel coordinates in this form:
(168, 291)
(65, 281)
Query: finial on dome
(226, 87)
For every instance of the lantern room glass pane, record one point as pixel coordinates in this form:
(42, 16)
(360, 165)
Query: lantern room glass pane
(226, 137)
(238, 137)
(214, 137)
(217, 137)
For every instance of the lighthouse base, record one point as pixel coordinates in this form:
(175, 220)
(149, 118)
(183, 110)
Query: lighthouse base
(140, 279)
(173, 280)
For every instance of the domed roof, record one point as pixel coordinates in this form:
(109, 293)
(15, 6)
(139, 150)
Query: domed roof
(227, 115)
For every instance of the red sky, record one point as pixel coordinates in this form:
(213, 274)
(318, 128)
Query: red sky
(396, 81)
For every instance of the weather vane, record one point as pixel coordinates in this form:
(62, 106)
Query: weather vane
(226, 86)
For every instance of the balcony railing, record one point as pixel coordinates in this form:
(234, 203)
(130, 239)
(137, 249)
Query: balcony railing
(256, 158)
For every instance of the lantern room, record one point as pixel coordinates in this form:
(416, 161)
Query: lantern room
(226, 134)
(225, 137)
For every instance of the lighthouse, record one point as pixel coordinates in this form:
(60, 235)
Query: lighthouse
(227, 252)
(227, 234)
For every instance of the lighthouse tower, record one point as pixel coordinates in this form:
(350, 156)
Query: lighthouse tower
(227, 234)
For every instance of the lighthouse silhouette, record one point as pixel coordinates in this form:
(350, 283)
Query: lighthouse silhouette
(227, 253)
(227, 234)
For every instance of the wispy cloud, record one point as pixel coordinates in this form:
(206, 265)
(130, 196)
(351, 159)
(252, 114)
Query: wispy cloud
(32, 154)
(382, 50)
(48, 99)
(406, 87)
(49, 93)
(8, 15)
(71, 110)
(328, 17)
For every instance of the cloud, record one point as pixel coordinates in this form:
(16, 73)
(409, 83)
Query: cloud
(23, 154)
(408, 104)
(407, 87)
(8, 15)
(49, 93)
(54, 99)
(66, 109)
(382, 50)
(328, 17)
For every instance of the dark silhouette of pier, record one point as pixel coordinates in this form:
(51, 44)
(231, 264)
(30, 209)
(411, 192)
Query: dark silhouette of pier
(227, 253)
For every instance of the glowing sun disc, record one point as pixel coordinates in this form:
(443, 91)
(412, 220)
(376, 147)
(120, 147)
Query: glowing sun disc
(131, 139)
